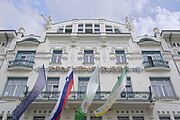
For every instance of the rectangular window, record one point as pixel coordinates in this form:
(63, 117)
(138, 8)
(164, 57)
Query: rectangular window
(9, 118)
(39, 118)
(117, 30)
(162, 87)
(123, 118)
(127, 93)
(52, 87)
(82, 86)
(80, 28)
(88, 56)
(24, 58)
(96, 28)
(178, 53)
(96, 118)
(177, 118)
(164, 118)
(16, 86)
(68, 29)
(1, 117)
(88, 28)
(109, 29)
(138, 118)
(152, 58)
(57, 55)
(120, 56)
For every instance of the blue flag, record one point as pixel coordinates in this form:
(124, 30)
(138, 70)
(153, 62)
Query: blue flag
(38, 87)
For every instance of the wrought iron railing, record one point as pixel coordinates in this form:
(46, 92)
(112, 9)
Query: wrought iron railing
(78, 95)
(21, 63)
(156, 63)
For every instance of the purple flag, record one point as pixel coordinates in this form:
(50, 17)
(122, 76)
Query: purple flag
(38, 87)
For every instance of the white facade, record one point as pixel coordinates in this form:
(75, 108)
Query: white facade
(85, 44)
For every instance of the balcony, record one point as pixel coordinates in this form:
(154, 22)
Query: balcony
(20, 65)
(100, 96)
(156, 65)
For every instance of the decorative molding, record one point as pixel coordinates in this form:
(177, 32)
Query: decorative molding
(104, 42)
(73, 42)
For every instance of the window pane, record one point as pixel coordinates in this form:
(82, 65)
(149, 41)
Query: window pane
(138, 118)
(164, 118)
(177, 118)
(123, 118)
(9, 118)
(39, 118)
(96, 118)
(162, 87)
(57, 56)
(17, 89)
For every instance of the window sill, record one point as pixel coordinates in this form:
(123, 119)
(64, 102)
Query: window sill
(118, 63)
(88, 63)
(55, 63)
(166, 98)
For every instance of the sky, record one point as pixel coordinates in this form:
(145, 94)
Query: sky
(148, 14)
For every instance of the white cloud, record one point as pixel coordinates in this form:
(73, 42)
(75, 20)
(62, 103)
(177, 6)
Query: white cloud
(163, 19)
(13, 17)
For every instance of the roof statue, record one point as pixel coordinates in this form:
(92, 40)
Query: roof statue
(129, 23)
(49, 22)
(156, 30)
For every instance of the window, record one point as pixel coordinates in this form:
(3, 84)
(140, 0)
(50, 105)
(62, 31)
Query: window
(80, 28)
(56, 58)
(164, 118)
(60, 30)
(39, 118)
(162, 87)
(96, 28)
(88, 56)
(25, 55)
(128, 89)
(24, 58)
(153, 58)
(68, 29)
(178, 53)
(177, 118)
(82, 86)
(52, 87)
(116, 30)
(138, 118)
(15, 87)
(1, 117)
(96, 118)
(109, 29)
(120, 56)
(88, 28)
(123, 118)
(9, 118)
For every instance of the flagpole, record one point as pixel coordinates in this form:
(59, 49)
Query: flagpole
(73, 84)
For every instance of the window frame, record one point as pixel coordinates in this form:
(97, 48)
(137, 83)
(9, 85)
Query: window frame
(57, 56)
(120, 56)
(89, 57)
(163, 87)
(15, 86)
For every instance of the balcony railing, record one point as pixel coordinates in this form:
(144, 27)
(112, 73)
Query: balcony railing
(21, 63)
(156, 63)
(78, 96)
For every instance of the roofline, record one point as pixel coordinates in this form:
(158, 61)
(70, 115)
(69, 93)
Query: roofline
(169, 31)
(9, 31)
(87, 19)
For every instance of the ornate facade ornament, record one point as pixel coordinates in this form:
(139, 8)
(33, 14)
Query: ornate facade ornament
(156, 30)
(103, 42)
(73, 42)
(49, 22)
(129, 23)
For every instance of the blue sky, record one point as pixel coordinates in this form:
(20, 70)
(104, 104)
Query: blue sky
(164, 14)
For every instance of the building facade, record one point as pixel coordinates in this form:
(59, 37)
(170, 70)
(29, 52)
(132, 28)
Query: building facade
(152, 90)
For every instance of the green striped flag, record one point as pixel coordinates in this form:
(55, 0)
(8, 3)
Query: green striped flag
(92, 87)
(115, 93)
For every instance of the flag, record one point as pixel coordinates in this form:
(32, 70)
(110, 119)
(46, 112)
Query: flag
(66, 89)
(38, 87)
(92, 87)
(115, 93)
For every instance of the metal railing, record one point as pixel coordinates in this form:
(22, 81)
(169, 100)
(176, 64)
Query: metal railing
(156, 63)
(78, 95)
(21, 63)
